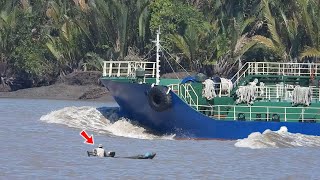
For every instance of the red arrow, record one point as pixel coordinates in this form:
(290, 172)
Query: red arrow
(89, 140)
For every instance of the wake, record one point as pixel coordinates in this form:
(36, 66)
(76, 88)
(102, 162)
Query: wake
(278, 139)
(102, 121)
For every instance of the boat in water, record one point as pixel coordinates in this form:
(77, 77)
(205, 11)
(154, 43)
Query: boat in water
(260, 96)
(148, 155)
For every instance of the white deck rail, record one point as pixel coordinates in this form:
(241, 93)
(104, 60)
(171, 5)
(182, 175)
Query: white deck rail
(273, 68)
(266, 112)
(127, 68)
(282, 92)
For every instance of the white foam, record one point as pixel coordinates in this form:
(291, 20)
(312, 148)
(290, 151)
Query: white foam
(278, 139)
(89, 118)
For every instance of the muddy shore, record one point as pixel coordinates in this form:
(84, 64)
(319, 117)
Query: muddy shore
(61, 92)
(76, 86)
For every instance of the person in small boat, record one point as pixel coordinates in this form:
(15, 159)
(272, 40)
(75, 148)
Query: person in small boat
(99, 151)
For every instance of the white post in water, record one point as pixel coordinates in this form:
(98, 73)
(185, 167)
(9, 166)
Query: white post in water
(158, 57)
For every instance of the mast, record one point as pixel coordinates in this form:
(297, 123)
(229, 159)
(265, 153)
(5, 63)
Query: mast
(158, 57)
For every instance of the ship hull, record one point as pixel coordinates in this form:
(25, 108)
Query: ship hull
(184, 121)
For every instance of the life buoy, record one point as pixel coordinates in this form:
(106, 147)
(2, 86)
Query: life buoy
(276, 117)
(158, 98)
(241, 117)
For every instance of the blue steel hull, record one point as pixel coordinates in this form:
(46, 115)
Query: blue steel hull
(186, 122)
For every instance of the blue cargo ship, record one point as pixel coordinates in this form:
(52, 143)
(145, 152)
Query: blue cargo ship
(260, 96)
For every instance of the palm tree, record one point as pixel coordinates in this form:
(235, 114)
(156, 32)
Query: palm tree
(283, 44)
(112, 21)
(311, 16)
(7, 24)
(69, 44)
(188, 44)
(121, 23)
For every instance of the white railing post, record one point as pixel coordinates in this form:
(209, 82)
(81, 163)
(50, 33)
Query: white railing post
(110, 68)
(219, 111)
(256, 68)
(250, 110)
(104, 72)
(285, 114)
(119, 69)
(185, 92)
(129, 70)
(158, 57)
(153, 69)
(310, 73)
(234, 112)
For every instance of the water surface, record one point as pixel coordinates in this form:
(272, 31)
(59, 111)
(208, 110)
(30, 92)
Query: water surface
(40, 140)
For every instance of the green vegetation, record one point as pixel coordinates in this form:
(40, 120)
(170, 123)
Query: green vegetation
(41, 40)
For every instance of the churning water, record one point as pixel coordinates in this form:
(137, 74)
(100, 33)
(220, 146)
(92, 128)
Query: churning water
(40, 140)
(99, 120)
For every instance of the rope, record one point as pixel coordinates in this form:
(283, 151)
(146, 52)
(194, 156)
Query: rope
(247, 93)
(301, 95)
(148, 53)
(175, 60)
(208, 91)
(171, 66)
(226, 85)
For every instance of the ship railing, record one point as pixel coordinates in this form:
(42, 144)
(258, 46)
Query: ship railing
(127, 68)
(288, 69)
(262, 113)
(274, 68)
(183, 91)
(281, 92)
(220, 92)
(176, 89)
(241, 74)
(192, 101)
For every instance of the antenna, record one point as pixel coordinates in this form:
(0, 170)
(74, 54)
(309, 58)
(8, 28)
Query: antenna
(158, 57)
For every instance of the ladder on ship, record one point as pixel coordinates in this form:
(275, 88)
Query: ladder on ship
(187, 93)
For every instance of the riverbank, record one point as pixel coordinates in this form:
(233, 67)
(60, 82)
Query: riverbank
(61, 92)
(76, 86)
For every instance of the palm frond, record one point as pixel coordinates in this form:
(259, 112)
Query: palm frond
(271, 23)
(54, 11)
(143, 17)
(310, 52)
(181, 44)
(243, 45)
(94, 60)
(303, 4)
(51, 45)
(246, 23)
(267, 42)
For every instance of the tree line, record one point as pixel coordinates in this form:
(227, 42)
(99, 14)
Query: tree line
(41, 40)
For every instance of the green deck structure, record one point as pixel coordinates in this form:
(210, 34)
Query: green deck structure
(275, 104)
